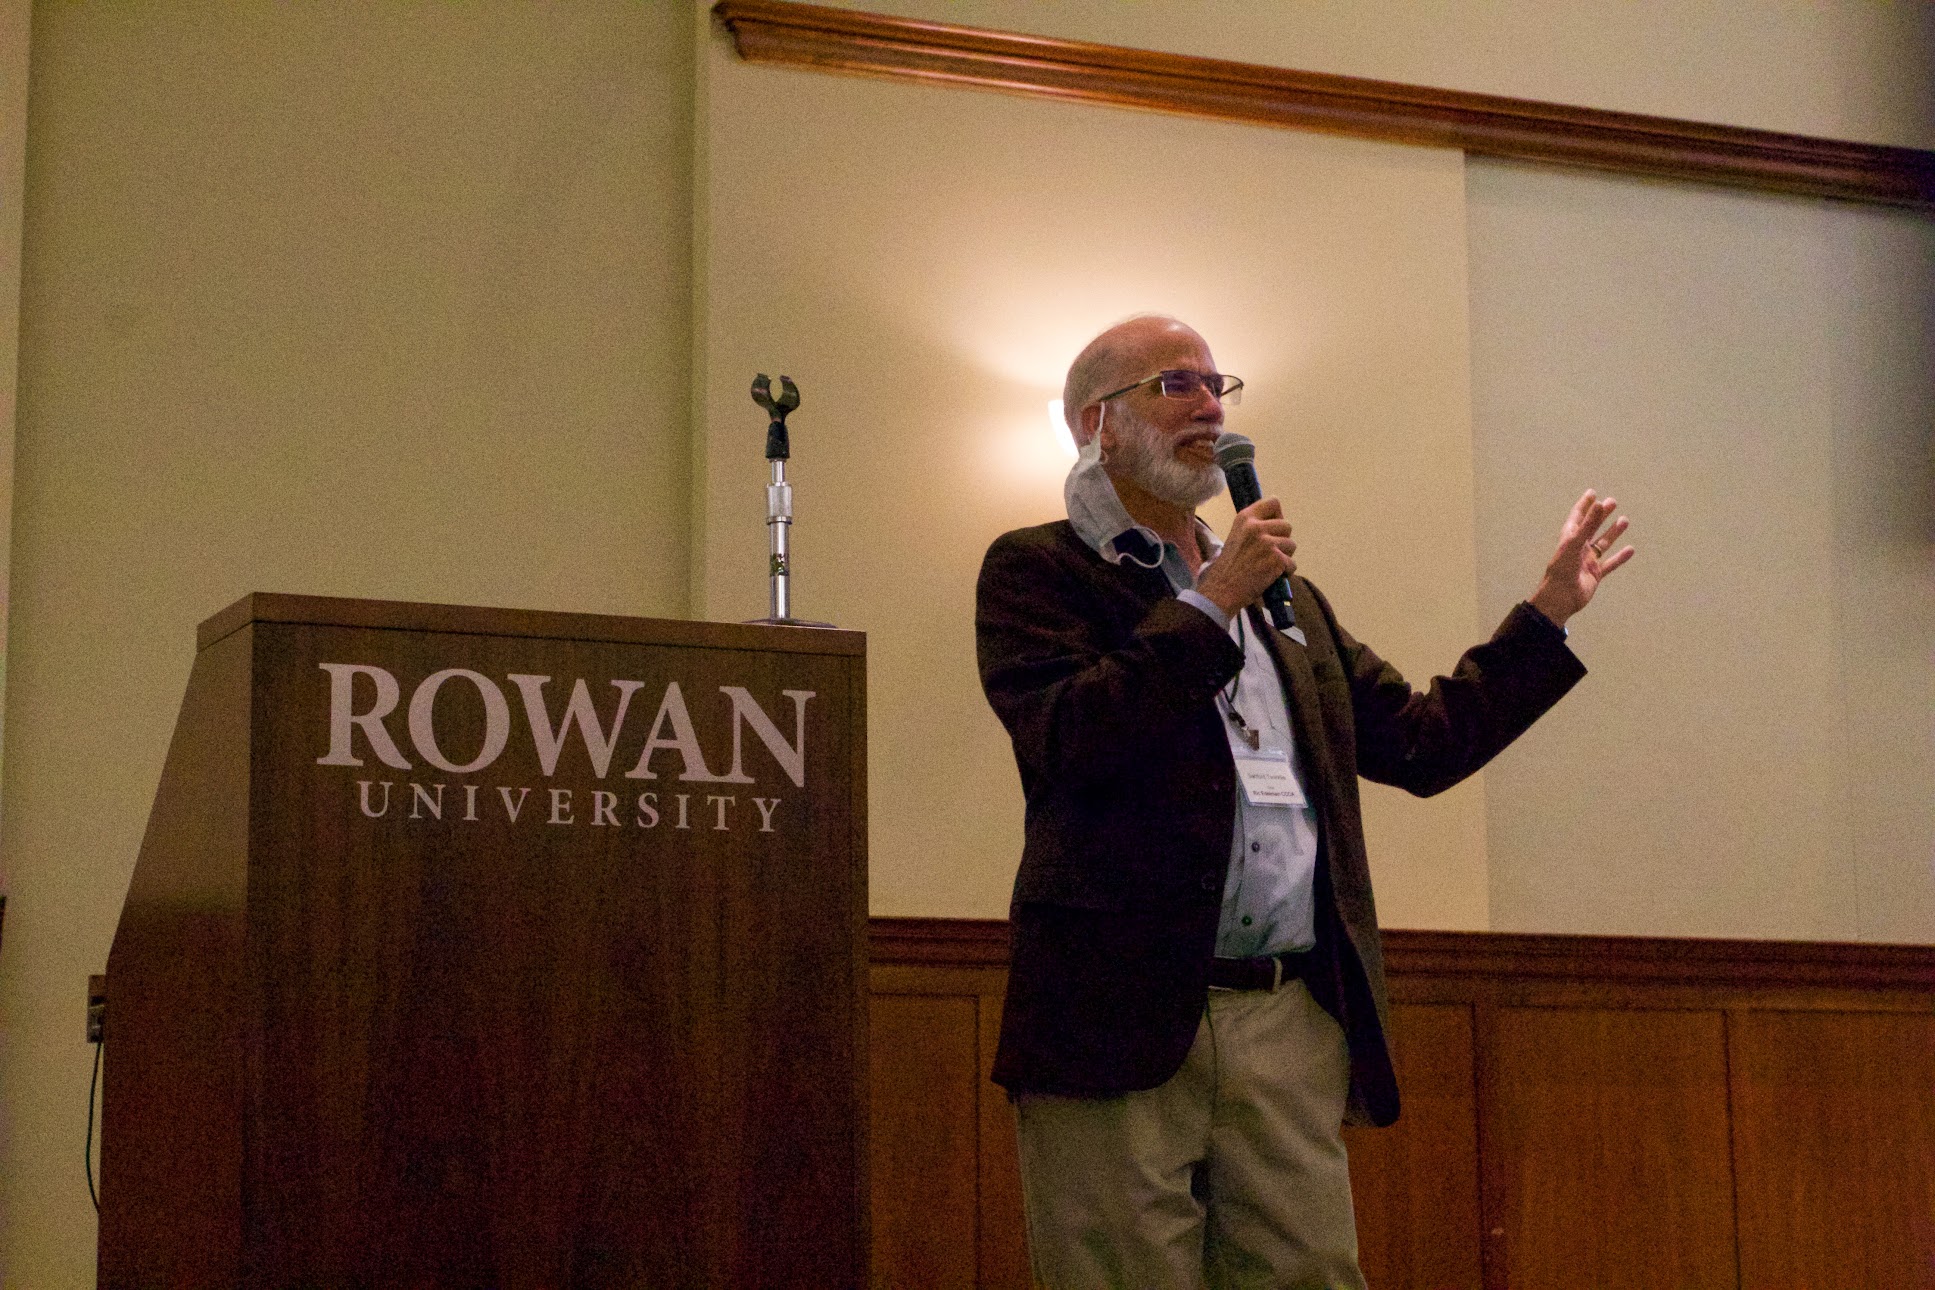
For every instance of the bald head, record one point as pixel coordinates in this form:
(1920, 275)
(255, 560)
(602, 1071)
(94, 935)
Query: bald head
(1132, 349)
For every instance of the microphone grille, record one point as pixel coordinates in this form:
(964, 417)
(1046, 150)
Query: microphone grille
(1233, 449)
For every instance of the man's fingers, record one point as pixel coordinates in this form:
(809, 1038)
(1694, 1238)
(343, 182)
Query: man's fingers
(1589, 515)
(1274, 527)
(1258, 548)
(1604, 542)
(1282, 547)
(1608, 565)
(1579, 522)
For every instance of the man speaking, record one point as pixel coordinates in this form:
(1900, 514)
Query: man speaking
(1196, 991)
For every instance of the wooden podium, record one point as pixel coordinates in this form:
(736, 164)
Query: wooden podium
(484, 948)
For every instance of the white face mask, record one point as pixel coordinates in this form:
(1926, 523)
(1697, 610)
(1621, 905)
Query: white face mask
(1095, 509)
(1089, 493)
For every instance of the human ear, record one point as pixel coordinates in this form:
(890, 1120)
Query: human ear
(1093, 421)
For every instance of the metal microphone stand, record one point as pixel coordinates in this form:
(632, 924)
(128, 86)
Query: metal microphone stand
(779, 500)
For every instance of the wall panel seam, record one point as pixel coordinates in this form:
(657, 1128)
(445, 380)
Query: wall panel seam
(1733, 1149)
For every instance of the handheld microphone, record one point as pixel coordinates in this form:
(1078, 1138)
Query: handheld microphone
(1236, 458)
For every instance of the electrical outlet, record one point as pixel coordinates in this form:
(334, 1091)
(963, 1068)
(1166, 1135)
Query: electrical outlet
(96, 1009)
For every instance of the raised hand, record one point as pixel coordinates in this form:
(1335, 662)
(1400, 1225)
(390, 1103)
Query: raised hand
(1581, 563)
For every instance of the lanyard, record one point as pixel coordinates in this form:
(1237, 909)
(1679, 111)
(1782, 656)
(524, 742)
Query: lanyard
(1250, 735)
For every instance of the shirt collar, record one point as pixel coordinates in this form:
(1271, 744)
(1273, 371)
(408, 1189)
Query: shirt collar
(1100, 519)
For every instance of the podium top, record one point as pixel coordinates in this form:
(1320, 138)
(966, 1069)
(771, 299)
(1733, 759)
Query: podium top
(397, 615)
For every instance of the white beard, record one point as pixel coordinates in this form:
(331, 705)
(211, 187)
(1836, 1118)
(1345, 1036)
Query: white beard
(1148, 458)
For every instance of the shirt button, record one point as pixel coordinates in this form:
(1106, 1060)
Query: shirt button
(1246, 920)
(1256, 846)
(1211, 881)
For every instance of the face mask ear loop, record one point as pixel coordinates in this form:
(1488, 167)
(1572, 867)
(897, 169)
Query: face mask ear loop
(1101, 453)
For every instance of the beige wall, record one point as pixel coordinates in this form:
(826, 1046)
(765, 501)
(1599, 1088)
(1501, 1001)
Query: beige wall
(373, 301)
(1880, 334)
(397, 302)
(15, 22)
(928, 309)
(1751, 372)
(1839, 69)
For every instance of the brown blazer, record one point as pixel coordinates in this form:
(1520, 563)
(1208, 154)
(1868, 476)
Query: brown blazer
(1106, 684)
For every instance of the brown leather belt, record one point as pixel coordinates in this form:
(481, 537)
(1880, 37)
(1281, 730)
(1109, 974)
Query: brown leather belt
(1265, 972)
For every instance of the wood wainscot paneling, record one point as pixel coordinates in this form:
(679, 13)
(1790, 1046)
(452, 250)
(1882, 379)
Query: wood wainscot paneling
(946, 1185)
(924, 1052)
(1833, 1114)
(1416, 1182)
(1605, 1146)
(1578, 1111)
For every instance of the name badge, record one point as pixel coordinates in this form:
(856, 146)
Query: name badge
(1266, 777)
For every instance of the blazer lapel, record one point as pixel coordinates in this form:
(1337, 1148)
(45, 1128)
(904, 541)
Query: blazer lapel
(1306, 714)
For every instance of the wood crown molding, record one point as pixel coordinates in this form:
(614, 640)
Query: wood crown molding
(774, 31)
(1602, 960)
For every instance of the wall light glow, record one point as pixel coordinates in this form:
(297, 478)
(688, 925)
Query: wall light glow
(1058, 426)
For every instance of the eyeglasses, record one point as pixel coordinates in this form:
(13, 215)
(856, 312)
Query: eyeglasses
(1180, 383)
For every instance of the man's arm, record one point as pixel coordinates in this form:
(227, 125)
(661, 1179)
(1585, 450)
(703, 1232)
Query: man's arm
(1425, 743)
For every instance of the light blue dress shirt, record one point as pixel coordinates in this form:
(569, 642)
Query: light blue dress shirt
(1268, 900)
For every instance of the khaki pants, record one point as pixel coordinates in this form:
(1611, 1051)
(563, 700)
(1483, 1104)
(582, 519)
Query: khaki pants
(1232, 1174)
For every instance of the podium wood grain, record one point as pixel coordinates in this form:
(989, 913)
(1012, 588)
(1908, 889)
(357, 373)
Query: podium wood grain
(438, 1045)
